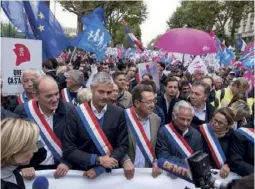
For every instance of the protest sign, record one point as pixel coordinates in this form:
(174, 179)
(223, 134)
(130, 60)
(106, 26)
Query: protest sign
(17, 55)
(149, 68)
(197, 64)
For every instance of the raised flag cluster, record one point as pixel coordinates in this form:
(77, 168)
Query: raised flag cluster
(35, 19)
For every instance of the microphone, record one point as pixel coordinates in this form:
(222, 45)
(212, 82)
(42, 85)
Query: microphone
(179, 170)
(40, 183)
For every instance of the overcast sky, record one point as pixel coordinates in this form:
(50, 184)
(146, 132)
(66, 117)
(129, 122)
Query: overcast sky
(158, 13)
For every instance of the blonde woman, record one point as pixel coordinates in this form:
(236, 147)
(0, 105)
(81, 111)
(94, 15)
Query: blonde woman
(241, 113)
(18, 144)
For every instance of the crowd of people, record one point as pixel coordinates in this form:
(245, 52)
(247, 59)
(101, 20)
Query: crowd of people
(97, 117)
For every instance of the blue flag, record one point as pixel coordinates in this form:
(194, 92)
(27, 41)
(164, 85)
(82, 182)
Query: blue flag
(226, 57)
(15, 12)
(37, 22)
(46, 28)
(94, 39)
(98, 12)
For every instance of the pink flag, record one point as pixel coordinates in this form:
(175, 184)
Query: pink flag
(249, 76)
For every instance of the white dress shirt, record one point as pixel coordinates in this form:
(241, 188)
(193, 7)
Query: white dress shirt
(200, 114)
(99, 115)
(49, 158)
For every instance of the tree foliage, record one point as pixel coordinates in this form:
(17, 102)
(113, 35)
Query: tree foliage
(206, 14)
(134, 12)
(8, 30)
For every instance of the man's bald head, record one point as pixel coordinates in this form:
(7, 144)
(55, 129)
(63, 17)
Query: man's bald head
(44, 82)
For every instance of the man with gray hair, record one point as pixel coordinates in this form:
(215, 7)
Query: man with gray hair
(177, 140)
(28, 77)
(99, 140)
(74, 83)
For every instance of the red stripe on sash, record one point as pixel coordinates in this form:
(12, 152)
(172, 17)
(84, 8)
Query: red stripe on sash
(19, 100)
(98, 127)
(63, 95)
(210, 147)
(142, 131)
(46, 125)
(181, 138)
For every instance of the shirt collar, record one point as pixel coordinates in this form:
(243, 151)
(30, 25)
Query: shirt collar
(200, 110)
(45, 114)
(140, 119)
(95, 110)
(185, 132)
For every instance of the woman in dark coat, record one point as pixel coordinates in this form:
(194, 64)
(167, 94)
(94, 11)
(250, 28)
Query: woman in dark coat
(220, 127)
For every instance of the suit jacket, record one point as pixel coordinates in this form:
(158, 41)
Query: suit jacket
(165, 149)
(154, 126)
(196, 122)
(79, 148)
(161, 102)
(125, 99)
(60, 120)
(7, 114)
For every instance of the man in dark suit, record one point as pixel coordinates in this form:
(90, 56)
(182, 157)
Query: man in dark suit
(54, 115)
(167, 101)
(82, 145)
(167, 146)
(203, 110)
(142, 112)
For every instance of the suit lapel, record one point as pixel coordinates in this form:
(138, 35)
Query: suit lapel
(107, 118)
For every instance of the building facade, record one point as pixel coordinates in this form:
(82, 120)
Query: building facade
(246, 29)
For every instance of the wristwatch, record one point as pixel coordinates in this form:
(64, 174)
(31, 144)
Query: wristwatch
(97, 161)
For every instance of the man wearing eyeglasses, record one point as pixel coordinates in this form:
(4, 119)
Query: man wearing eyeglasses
(143, 126)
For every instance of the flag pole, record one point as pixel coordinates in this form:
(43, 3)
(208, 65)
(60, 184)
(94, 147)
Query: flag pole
(72, 55)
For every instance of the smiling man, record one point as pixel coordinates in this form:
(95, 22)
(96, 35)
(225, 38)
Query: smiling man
(177, 140)
(52, 116)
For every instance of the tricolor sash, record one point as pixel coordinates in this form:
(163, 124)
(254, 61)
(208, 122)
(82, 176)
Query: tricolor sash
(66, 95)
(247, 132)
(94, 129)
(140, 136)
(47, 134)
(22, 98)
(177, 140)
(213, 144)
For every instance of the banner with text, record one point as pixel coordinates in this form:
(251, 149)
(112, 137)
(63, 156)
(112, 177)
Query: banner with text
(16, 56)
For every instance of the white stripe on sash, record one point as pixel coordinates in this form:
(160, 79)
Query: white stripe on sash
(140, 136)
(94, 129)
(46, 132)
(214, 145)
(66, 95)
(174, 137)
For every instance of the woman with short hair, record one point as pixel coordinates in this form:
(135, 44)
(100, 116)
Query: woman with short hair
(18, 144)
(217, 134)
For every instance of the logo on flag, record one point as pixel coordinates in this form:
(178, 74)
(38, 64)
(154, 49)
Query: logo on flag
(22, 54)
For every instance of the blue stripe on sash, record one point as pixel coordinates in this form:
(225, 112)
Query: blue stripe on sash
(53, 151)
(88, 129)
(138, 141)
(216, 141)
(172, 140)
